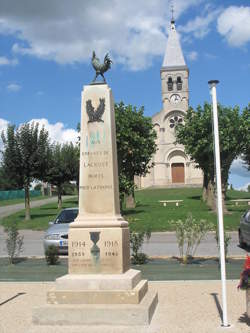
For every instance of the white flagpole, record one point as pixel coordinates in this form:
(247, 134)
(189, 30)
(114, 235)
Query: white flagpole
(212, 85)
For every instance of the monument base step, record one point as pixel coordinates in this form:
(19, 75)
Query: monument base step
(98, 314)
(133, 296)
(125, 281)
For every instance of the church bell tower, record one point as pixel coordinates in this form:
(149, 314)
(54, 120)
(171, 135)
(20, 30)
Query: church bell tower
(172, 166)
(174, 75)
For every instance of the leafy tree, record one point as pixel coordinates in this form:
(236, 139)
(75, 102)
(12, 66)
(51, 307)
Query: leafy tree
(246, 136)
(197, 137)
(25, 156)
(63, 166)
(135, 138)
(6, 183)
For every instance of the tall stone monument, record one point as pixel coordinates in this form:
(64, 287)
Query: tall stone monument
(100, 287)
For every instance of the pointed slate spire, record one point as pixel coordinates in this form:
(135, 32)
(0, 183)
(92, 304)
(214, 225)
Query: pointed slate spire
(173, 55)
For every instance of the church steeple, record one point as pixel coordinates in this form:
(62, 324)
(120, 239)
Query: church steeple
(173, 55)
(174, 74)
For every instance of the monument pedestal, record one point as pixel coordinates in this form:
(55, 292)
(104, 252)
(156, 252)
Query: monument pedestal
(100, 287)
(111, 299)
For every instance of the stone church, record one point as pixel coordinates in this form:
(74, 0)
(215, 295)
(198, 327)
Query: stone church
(172, 166)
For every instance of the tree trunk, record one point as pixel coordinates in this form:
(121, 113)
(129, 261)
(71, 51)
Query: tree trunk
(205, 187)
(210, 196)
(27, 202)
(42, 189)
(224, 190)
(59, 195)
(49, 190)
(130, 200)
(77, 188)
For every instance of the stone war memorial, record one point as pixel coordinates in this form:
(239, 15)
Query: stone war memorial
(100, 288)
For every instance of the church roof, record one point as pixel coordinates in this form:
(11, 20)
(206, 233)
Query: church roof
(173, 55)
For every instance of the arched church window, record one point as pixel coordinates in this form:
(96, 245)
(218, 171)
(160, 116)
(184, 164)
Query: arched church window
(170, 84)
(175, 121)
(179, 83)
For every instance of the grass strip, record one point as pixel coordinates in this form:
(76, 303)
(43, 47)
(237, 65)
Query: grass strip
(154, 270)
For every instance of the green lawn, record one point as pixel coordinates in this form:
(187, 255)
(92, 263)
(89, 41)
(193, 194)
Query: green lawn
(149, 213)
(20, 200)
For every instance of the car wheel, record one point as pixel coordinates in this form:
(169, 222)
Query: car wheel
(241, 240)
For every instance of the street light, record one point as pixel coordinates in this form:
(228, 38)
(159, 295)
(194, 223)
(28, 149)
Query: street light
(212, 85)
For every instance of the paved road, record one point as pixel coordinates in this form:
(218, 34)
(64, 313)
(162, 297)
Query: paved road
(165, 244)
(160, 244)
(11, 209)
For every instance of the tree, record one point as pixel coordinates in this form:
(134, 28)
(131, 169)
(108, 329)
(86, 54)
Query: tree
(6, 183)
(197, 137)
(136, 145)
(25, 156)
(246, 136)
(63, 166)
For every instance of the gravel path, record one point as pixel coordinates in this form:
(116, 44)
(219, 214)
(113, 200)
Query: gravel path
(184, 307)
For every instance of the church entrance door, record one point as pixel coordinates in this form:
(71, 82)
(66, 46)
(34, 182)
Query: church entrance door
(178, 174)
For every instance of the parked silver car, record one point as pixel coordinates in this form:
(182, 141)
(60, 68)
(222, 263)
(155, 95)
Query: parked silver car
(57, 234)
(244, 229)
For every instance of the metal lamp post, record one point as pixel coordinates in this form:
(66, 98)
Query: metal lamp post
(212, 85)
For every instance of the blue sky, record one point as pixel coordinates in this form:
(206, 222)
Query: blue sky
(46, 48)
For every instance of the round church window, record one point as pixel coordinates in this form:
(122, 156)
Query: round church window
(174, 121)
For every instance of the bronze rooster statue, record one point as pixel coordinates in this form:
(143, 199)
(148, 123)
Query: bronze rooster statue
(100, 68)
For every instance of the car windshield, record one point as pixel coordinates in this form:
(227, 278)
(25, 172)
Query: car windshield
(67, 216)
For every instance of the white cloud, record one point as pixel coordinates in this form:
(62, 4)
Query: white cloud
(238, 168)
(134, 32)
(193, 55)
(4, 61)
(200, 26)
(233, 24)
(58, 132)
(244, 187)
(3, 126)
(13, 87)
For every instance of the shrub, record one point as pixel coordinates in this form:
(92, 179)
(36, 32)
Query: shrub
(69, 189)
(189, 234)
(136, 242)
(227, 239)
(51, 255)
(14, 243)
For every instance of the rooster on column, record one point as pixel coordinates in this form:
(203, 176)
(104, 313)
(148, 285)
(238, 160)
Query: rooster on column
(100, 68)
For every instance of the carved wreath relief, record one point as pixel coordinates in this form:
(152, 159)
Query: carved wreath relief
(95, 115)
